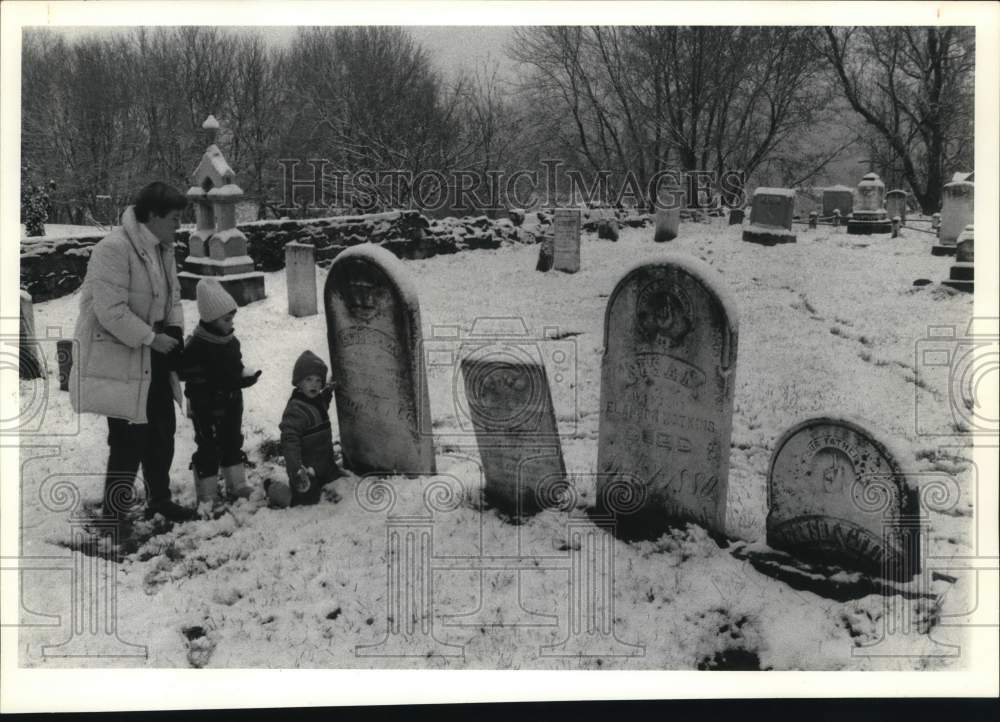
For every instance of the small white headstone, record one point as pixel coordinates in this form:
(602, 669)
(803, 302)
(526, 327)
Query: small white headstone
(300, 278)
(566, 223)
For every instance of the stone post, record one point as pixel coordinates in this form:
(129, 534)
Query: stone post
(300, 278)
(895, 226)
(836, 218)
(813, 219)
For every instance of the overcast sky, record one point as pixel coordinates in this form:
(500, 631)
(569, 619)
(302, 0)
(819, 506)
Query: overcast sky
(452, 47)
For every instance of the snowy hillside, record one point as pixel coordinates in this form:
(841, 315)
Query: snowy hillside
(828, 325)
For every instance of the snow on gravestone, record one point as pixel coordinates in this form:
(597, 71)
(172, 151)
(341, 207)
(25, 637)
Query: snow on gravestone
(566, 224)
(956, 210)
(771, 217)
(667, 216)
(510, 405)
(667, 381)
(837, 494)
(373, 332)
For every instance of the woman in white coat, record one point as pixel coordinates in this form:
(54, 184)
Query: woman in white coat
(128, 334)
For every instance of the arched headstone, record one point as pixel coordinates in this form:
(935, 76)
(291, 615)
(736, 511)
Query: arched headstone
(376, 357)
(837, 495)
(667, 383)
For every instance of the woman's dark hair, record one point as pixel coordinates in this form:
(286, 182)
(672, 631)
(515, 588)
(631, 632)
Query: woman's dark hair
(158, 198)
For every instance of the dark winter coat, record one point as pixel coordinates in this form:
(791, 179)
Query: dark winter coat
(212, 367)
(307, 440)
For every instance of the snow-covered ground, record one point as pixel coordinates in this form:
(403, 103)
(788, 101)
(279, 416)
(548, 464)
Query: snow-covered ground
(828, 325)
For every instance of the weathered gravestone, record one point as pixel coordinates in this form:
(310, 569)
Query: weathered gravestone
(510, 406)
(838, 496)
(895, 204)
(300, 278)
(869, 214)
(667, 381)
(376, 357)
(566, 224)
(961, 277)
(735, 216)
(30, 364)
(956, 213)
(771, 217)
(667, 216)
(838, 198)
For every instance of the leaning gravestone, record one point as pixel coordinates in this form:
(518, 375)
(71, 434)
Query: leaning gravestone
(667, 381)
(376, 357)
(300, 278)
(956, 214)
(895, 204)
(837, 496)
(771, 217)
(869, 214)
(838, 198)
(566, 223)
(510, 406)
(962, 276)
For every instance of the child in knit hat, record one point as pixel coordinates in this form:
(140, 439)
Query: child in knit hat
(212, 367)
(306, 436)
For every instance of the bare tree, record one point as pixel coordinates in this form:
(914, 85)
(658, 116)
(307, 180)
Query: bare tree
(914, 87)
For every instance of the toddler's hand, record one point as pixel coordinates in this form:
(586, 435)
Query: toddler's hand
(250, 377)
(306, 475)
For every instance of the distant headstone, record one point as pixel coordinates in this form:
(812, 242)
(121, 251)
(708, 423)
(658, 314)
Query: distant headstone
(837, 495)
(30, 364)
(607, 229)
(511, 410)
(735, 216)
(895, 204)
(545, 255)
(962, 274)
(667, 382)
(300, 277)
(839, 198)
(667, 214)
(956, 212)
(869, 214)
(376, 358)
(771, 217)
(566, 224)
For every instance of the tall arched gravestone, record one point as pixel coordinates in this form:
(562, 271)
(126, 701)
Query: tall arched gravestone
(376, 355)
(667, 383)
(837, 495)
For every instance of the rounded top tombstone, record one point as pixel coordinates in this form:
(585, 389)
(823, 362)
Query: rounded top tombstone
(838, 494)
(871, 190)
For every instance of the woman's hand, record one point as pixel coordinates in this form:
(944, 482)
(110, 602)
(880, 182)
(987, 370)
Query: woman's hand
(162, 343)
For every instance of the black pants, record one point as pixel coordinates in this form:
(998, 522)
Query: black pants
(218, 432)
(150, 444)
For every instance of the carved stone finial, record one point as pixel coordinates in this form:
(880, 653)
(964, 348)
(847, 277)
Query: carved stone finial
(211, 128)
